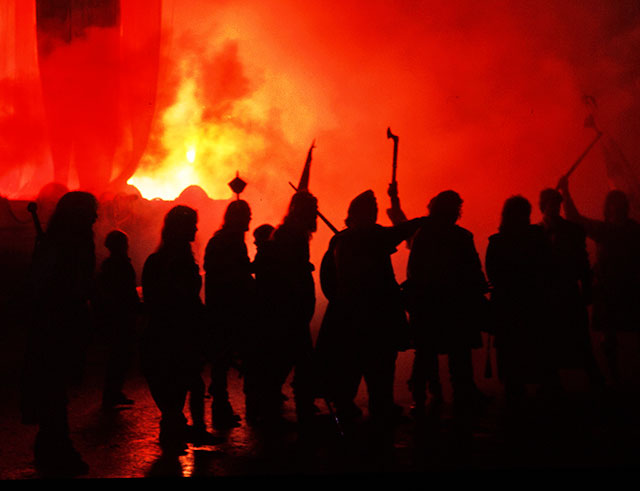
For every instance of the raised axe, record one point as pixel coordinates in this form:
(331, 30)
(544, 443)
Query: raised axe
(589, 122)
(395, 155)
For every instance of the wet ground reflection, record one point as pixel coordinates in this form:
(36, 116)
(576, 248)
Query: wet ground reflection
(576, 432)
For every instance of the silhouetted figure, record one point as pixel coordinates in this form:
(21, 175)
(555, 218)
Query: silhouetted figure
(117, 305)
(570, 289)
(263, 260)
(286, 286)
(365, 324)
(261, 237)
(518, 263)
(62, 278)
(230, 301)
(261, 405)
(616, 298)
(173, 344)
(445, 289)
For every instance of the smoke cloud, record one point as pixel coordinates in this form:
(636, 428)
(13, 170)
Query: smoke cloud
(487, 99)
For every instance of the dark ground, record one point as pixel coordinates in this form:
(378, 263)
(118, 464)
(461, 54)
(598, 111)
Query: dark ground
(577, 430)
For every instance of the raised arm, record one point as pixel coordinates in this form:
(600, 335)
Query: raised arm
(395, 213)
(593, 228)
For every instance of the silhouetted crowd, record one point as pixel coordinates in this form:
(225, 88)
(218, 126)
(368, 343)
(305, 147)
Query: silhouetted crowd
(256, 313)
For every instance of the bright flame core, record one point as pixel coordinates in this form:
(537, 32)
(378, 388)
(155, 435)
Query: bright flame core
(191, 155)
(199, 149)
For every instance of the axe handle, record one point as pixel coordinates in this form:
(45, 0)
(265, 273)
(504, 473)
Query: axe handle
(395, 159)
(583, 155)
(395, 155)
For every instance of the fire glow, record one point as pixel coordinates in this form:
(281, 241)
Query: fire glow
(198, 151)
(486, 99)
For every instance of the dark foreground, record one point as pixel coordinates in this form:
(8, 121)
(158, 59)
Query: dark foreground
(575, 430)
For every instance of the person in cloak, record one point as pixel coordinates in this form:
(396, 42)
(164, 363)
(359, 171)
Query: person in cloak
(291, 293)
(260, 406)
(117, 306)
(519, 268)
(616, 291)
(570, 289)
(445, 292)
(287, 287)
(365, 325)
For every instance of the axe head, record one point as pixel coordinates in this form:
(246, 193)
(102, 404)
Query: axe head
(391, 135)
(590, 101)
(590, 122)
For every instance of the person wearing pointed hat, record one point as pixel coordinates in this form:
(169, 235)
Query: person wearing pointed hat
(290, 291)
(230, 302)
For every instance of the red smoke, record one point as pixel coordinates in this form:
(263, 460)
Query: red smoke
(486, 98)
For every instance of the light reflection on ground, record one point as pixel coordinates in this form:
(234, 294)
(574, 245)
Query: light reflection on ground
(123, 443)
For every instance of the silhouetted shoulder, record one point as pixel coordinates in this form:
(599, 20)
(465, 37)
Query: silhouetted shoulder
(151, 263)
(463, 233)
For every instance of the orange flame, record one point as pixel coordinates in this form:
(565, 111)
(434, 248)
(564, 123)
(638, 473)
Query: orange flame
(199, 151)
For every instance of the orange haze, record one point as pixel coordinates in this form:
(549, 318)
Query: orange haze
(486, 97)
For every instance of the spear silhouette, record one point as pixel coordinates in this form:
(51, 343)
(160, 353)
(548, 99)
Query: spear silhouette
(303, 185)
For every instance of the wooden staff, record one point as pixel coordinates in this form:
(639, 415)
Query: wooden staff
(589, 123)
(395, 156)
